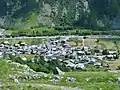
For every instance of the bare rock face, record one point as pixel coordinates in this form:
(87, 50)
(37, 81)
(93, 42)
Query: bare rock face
(36, 13)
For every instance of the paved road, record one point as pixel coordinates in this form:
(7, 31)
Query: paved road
(67, 37)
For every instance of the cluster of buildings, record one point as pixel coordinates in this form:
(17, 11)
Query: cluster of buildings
(74, 57)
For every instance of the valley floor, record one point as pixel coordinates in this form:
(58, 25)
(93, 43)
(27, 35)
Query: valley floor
(84, 80)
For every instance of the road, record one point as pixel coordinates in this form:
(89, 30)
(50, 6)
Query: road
(43, 85)
(67, 37)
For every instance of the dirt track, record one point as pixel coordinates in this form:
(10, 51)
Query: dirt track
(44, 85)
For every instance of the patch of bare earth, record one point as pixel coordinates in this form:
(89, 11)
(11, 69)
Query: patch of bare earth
(114, 64)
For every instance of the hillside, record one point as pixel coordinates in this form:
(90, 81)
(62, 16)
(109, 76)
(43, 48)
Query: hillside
(79, 13)
(10, 74)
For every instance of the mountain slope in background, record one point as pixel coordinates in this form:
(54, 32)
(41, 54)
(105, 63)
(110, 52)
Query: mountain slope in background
(78, 13)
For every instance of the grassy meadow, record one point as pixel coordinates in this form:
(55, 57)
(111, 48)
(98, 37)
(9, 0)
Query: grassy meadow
(86, 80)
(104, 43)
(29, 41)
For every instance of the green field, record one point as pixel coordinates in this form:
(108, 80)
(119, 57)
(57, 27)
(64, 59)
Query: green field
(31, 32)
(52, 31)
(29, 41)
(87, 80)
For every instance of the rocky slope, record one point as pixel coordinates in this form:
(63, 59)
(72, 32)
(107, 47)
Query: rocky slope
(82, 13)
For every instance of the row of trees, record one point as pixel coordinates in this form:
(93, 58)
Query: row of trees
(64, 32)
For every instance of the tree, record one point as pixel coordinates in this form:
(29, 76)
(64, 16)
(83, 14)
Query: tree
(105, 52)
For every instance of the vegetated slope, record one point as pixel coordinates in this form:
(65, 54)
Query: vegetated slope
(82, 13)
(11, 72)
(84, 80)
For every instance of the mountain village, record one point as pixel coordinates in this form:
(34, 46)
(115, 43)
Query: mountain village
(72, 56)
